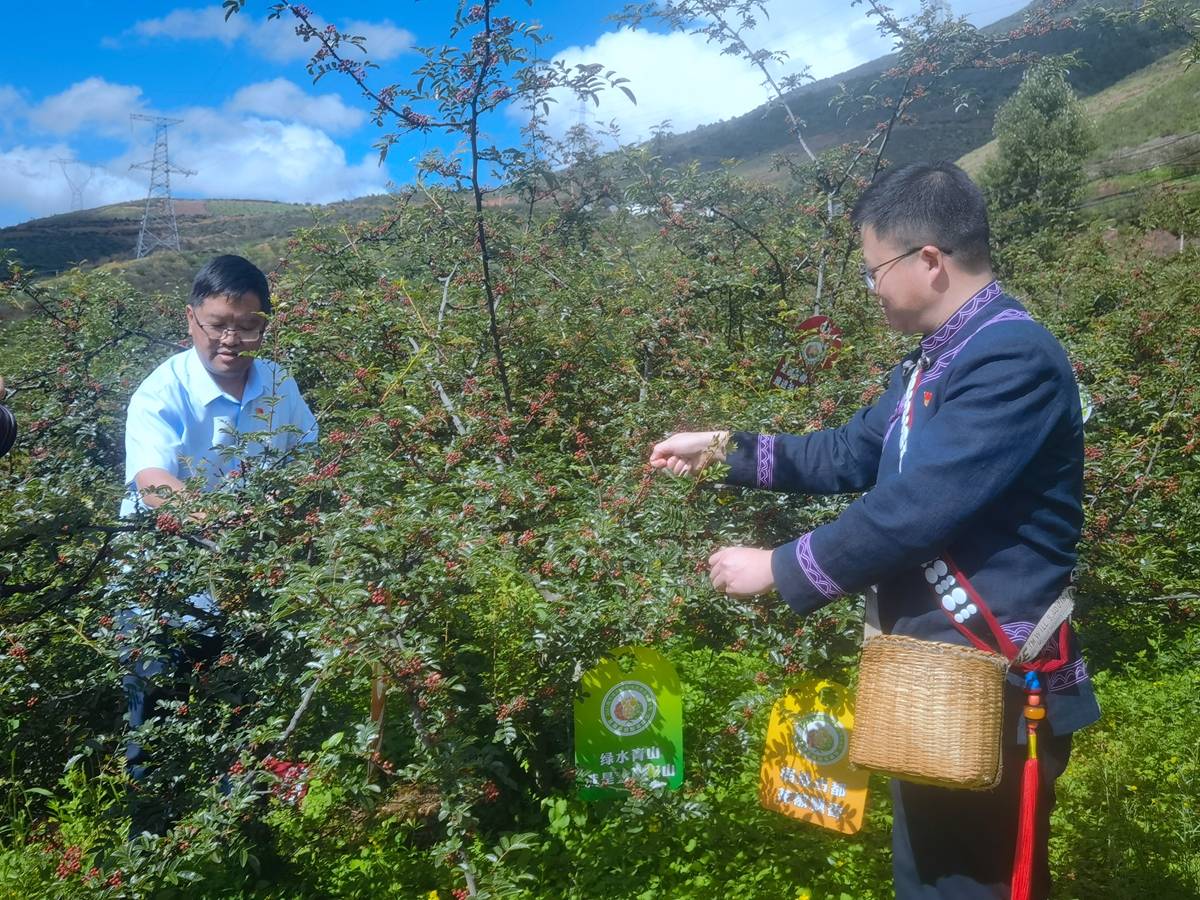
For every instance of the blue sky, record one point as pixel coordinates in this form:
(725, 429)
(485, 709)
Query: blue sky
(256, 127)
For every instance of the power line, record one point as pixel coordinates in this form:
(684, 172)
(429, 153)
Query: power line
(1175, 140)
(1159, 165)
(1140, 189)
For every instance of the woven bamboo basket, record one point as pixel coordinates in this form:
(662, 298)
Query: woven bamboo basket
(929, 712)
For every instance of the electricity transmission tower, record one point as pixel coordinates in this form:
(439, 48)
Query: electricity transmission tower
(158, 221)
(76, 184)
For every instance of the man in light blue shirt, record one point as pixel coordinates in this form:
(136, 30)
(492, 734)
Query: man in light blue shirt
(182, 422)
(193, 406)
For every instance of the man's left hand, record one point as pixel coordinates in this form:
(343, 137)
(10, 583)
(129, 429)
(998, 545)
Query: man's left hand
(741, 572)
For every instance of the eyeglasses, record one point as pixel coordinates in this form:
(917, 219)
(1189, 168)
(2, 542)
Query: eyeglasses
(868, 275)
(216, 332)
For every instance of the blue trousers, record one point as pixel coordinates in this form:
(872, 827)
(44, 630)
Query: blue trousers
(156, 669)
(152, 677)
(960, 844)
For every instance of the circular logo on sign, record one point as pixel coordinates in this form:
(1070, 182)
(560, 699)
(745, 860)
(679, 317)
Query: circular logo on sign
(820, 737)
(628, 707)
(820, 341)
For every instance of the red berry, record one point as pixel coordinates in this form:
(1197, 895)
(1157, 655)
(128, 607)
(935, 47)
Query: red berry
(167, 523)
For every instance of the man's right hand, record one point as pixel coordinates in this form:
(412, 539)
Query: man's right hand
(689, 452)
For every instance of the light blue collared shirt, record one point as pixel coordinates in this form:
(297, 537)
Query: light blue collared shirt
(180, 421)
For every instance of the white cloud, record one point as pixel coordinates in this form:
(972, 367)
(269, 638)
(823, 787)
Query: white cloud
(274, 38)
(12, 103)
(384, 40)
(687, 80)
(32, 182)
(268, 159)
(194, 24)
(270, 141)
(674, 76)
(93, 103)
(282, 99)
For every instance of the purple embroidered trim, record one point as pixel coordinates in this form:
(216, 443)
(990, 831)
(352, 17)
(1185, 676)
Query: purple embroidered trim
(766, 460)
(1019, 632)
(1068, 676)
(943, 362)
(827, 586)
(891, 427)
(964, 314)
(896, 413)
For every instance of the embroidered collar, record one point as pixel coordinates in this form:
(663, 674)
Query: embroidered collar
(933, 366)
(955, 324)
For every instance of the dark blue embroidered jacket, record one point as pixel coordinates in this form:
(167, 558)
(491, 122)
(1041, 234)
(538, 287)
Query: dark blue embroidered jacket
(992, 475)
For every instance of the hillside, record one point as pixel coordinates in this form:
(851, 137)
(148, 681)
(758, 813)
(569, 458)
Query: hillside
(108, 235)
(939, 131)
(1148, 132)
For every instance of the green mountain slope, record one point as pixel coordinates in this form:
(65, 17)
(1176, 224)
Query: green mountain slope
(109, 234)
(939, 130)
(1148, 131)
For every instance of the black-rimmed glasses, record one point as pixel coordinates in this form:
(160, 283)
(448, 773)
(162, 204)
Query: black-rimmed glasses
(868, 275)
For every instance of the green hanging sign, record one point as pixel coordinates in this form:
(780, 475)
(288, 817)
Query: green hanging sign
(629, 725)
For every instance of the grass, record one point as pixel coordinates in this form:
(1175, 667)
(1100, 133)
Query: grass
(1158, 101)
(1128, 820)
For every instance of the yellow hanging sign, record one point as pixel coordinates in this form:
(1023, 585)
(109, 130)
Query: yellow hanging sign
(806, 771)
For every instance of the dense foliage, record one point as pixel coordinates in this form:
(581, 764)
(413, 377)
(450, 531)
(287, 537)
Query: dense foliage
(406, 611)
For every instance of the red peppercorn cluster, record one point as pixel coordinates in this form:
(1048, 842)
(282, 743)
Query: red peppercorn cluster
(293, 779)
(72, 860)
(167, 523)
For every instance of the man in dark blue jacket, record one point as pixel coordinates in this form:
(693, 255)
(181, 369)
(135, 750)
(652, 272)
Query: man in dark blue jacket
(973, 454)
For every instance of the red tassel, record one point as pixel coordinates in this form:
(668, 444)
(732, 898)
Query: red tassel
(1022, 878)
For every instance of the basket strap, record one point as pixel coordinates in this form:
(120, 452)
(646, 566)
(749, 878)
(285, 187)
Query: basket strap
(967, 609)
(871, 614)
(973, 618)
(1055, 617)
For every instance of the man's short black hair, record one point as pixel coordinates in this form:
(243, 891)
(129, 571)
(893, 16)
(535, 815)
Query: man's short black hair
(230, 276)
(929, 203)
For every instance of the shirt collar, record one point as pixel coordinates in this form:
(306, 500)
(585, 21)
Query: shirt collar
(954, 325)
(204, 390)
